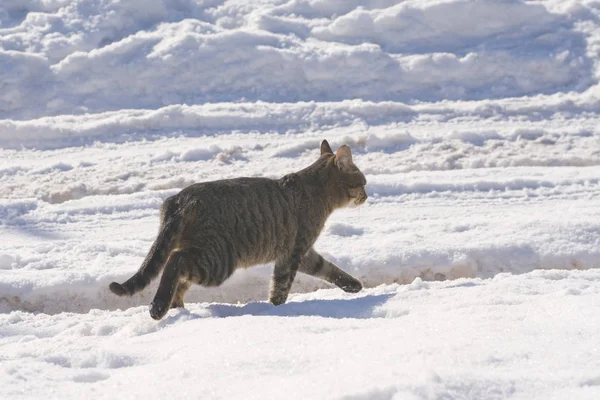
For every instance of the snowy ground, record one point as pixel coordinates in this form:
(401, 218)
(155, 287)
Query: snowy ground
(532, 336)
(476, 123)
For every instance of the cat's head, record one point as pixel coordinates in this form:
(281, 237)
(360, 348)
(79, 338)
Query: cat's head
(346, 180)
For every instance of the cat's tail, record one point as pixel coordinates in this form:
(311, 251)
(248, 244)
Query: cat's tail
(152, 265)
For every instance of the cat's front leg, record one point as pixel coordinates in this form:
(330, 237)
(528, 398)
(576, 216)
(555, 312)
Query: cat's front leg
(316, 265)
(284, 273)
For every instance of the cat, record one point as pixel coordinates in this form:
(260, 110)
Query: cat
(209, 229)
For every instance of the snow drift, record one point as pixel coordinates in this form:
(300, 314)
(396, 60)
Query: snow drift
(94, 56)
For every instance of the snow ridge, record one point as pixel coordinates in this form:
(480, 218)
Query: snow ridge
(95, 56)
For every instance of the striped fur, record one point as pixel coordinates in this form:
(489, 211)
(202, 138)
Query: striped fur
(209, 229)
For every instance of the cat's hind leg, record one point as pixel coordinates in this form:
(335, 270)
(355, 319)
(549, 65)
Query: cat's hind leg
(314, 264)
(181, 267)
(178, 298)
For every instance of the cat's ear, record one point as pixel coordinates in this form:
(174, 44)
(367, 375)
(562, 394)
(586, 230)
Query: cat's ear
(325, 148)
(343, 158)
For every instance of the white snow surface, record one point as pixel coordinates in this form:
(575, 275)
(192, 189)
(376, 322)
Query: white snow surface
(475, 122)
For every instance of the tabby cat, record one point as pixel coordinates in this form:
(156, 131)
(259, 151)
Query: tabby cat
(209, 229)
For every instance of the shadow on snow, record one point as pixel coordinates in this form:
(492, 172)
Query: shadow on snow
(358, 308)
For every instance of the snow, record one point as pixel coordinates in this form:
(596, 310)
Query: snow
(475, 123)
(510, 336)
(89, 57)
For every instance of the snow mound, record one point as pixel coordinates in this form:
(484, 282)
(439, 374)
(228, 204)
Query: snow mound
(94, 56)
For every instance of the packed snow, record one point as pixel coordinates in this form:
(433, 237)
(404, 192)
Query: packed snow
(475, 122)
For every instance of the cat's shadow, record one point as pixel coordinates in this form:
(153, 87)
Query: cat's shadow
(358, 308)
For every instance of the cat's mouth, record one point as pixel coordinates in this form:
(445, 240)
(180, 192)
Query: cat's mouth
(357, 201)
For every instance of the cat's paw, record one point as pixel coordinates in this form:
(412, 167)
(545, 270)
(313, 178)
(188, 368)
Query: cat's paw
(277, 300)
(157, 311)
(177, 304)
(118, 289)
(351, 286)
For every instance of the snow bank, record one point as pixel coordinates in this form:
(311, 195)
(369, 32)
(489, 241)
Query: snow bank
(570, 115)
(95, 56)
